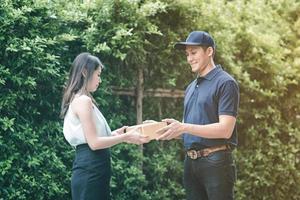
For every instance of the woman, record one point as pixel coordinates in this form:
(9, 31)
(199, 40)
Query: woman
(86, 129)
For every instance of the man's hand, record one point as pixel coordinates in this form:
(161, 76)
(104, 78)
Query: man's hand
(173, 130)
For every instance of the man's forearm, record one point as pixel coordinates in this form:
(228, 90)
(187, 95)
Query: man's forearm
(215, 130)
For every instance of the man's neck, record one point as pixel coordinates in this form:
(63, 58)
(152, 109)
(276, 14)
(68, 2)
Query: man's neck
(210, 66)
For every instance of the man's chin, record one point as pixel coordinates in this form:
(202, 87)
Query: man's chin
(195, 69)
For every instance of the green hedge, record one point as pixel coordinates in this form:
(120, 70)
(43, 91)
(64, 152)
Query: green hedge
(257, 41)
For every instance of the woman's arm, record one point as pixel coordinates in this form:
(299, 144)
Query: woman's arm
(83, 108)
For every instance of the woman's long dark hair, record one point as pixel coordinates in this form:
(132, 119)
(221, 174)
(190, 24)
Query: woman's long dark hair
(80, 74)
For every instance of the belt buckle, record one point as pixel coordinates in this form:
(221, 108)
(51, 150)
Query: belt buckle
(193, 154)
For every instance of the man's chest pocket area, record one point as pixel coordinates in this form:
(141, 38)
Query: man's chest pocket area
(206, 100)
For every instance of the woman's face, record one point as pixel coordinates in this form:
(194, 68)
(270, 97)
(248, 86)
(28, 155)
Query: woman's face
(94, 81)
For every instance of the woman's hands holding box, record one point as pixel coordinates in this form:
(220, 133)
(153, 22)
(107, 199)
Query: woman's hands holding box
(134, 137)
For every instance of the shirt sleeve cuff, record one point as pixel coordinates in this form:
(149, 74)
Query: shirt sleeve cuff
(234, 114)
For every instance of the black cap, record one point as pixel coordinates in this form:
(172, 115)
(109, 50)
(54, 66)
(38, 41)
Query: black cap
(197, 38)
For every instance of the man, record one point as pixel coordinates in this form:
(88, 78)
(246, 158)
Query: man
(209, 123)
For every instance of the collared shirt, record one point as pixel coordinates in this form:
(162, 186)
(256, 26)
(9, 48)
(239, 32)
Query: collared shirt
(206, 98)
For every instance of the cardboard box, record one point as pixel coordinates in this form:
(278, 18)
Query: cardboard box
(148, 129)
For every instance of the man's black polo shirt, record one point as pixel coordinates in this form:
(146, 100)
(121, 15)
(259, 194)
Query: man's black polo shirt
(217, 93)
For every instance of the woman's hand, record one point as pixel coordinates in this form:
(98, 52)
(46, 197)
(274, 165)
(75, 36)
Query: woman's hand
(119, 131)
(134, 137)
(149, 121)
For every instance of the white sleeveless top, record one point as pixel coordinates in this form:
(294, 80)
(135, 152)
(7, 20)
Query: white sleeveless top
(73, 131)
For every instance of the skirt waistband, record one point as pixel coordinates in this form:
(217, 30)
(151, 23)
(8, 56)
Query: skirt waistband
(84, 149)
(82, 146)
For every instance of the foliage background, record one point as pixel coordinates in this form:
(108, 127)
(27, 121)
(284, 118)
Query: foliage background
(258, 42)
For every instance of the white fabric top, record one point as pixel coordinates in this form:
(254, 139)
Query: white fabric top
(73, 131)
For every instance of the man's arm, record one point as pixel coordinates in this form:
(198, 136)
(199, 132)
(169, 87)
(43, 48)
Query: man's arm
(221, 129)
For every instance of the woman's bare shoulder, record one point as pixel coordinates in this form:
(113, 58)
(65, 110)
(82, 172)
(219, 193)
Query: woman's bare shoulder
(83, 98)
(81, 102)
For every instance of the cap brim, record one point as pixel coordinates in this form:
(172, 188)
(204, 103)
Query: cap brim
(182, 45)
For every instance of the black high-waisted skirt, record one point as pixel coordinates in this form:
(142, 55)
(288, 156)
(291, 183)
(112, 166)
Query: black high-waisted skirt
(91, 174)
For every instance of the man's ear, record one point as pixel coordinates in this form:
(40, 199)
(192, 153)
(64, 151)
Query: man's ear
(210, 51)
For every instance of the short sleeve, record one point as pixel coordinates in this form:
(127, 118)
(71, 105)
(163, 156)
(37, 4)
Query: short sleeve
(228, 97)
